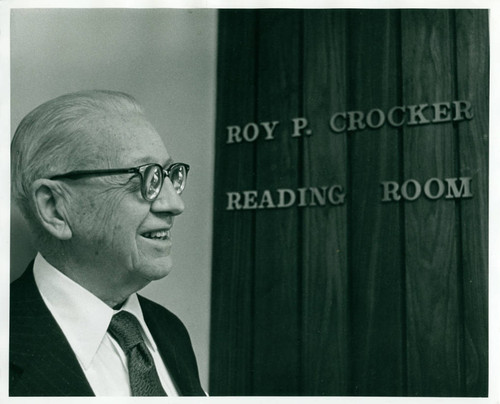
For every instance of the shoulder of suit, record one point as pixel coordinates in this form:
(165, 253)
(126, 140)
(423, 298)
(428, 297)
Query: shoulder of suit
(24, 296)
(158, 312)
(21, 285)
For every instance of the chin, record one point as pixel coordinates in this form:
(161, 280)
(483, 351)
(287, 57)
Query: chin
(158, 269)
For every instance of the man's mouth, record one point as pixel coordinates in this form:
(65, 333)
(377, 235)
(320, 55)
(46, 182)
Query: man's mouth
(157, 235)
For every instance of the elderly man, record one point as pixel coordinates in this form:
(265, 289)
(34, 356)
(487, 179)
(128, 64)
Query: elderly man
(100, 193)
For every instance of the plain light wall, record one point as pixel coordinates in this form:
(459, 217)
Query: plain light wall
(166, 59)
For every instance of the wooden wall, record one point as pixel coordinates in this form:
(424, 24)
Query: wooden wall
(365, 297)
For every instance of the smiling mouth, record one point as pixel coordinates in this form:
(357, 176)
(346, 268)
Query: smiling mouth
(157, 235)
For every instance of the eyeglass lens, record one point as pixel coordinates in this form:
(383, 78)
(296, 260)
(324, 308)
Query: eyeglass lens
(178, 178)
(153, 180)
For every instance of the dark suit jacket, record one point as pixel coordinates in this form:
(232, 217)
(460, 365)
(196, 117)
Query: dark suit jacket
(42, 362)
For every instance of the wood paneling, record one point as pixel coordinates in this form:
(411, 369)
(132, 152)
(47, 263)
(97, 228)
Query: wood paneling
(375, 228)
(364, 297)
(472, 85)
(325, 314)
(276, 351)
(434, 333)
(233, 265)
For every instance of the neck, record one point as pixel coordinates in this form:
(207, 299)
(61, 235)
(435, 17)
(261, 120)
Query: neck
(112, 290)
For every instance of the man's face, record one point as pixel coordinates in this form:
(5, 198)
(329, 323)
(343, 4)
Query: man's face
(123, 240)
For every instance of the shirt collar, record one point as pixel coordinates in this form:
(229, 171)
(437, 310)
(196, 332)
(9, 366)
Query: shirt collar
(82, 316)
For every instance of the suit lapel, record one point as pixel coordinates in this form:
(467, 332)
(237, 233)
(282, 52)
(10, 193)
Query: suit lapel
(42, 361)
(173, 348)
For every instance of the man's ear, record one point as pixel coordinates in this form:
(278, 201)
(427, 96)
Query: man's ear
(50, 208)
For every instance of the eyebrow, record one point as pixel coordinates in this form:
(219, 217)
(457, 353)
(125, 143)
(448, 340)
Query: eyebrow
(168, 162)
(149, 159)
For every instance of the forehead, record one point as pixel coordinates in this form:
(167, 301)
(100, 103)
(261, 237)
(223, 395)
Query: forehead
(128, 140)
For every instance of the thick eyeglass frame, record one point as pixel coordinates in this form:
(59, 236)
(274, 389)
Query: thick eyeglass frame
(141, 170)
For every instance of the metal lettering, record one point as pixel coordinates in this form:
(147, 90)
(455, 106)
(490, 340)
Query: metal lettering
(233, 134)
(441, 112)
(317, 196)
(282, 202)
(246, 130)
(390, 116)
(417, 111)
(390, 191)
(334, 126)
(335, 195)
(233, 200)
(440, 188)
(455, 192)
(266, 199)
(404, 190)
(462, 110)
(269, 127)
(298, 125)
(381, 118)
(355, 120)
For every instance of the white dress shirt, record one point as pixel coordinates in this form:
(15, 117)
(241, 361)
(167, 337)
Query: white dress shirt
(84, 320)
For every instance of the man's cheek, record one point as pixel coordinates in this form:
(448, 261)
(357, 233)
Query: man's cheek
(107, 210)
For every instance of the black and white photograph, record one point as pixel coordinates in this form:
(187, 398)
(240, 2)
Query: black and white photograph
(263, 202)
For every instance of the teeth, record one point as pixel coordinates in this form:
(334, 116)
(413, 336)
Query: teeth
(162, 234)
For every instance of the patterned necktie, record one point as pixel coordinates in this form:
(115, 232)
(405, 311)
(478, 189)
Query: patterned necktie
(144, 380)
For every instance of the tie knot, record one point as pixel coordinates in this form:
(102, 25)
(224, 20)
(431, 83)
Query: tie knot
(126, 330)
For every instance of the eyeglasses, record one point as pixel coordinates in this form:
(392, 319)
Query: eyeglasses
(152, 177)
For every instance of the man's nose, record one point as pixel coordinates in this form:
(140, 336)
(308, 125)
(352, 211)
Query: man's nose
(168, 201)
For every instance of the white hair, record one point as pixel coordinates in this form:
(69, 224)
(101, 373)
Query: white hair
(54, 138)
